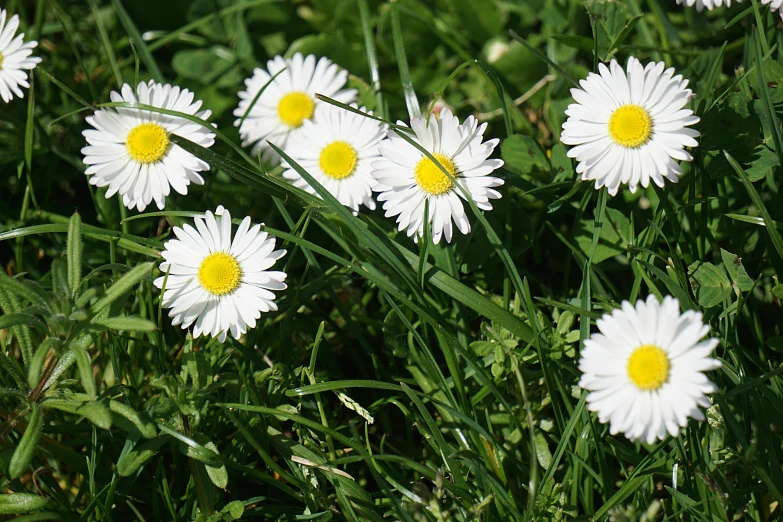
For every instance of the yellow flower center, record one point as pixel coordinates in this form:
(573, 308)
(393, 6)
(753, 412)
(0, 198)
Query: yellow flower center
(294, 108)
(338, 160)
(630, 126)
(1, 61)
(147, 143)
(219, 273)
(648, 367)
(431, 178)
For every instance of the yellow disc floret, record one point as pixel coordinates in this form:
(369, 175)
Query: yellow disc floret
(219, 273)
(431, 178)
(294, 108)
(1, 61)
(338, 160)
(630, 126)
(147, 143)
(648, 367)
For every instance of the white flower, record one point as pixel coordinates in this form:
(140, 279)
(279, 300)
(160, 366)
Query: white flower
(14, 58)
(337, 149)
(644, 370)
(709, 4)
(407, 178)
(774, 5)
(217, 284)
(130, 152)
(286, 102)
(630, 128)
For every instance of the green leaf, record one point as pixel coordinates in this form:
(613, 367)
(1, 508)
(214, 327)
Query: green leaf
(203, 65)
(609, 19)
(739, 277)
(710, 283)
(23, 454)
(134, 459)
(96, 413)
(543, 455)
(74, 247)
(764, 163)
(522, 155)
(411, 102)
(129, 323)
(216, 470)
(18, 318)
(124, 284)
(139, 420)
(84, 364)
(484, 18)
(20, 503)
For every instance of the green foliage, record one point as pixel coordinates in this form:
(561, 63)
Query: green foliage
(395, 381)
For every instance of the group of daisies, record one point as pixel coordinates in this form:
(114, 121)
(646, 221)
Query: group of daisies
(644, 368)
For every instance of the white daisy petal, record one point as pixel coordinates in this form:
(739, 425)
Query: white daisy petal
(130, 151)
(630, 126)
(644, 369)
(406, 179)
(337, 148)
(217, 285)
(288, 102)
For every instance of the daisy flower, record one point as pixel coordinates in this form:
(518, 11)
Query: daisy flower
(14, 58)
(774, 5)
(709, 4)
(130, 152)
(407, 179)
(217, 284)
(630, 127)
(644, 369)
(337, 149)
(288, 101)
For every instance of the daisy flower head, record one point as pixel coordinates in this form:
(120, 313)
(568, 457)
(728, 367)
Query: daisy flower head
(709, 4)
(14, 58)
(407, 179)
(630, 126)
(644, 370)
(130, 152)
(774, 5)
(337, 148)
(288, 101)
(216, 283)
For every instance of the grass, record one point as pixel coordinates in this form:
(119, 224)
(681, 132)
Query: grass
(463, 355)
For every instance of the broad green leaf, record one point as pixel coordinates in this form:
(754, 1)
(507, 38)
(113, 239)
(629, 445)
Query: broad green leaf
(609, 19)
(543, 455)
(96, 413)
(485, 19)
(134, 459)
(739, 277)
(20, 503)
(139, 420)
(23, 454)
(523, 155)
(129, 323)
(216, 470)
(74, 253)
(710, 283)
(203, 65)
